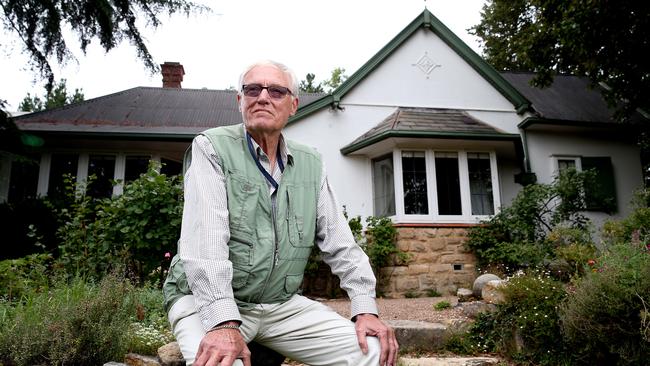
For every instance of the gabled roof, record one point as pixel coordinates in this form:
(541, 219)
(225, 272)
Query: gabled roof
(143, 111)
(428, 21)
(428, 123)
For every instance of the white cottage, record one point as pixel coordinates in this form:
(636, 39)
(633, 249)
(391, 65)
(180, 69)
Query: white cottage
(425, 132)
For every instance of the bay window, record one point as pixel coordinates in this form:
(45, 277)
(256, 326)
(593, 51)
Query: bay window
(436, 185)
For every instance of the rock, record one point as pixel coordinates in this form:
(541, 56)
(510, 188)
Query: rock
(113, 363)
(472, 309)
(132, 359)
(417, 335)
(480, 281)
(170, 355)
(464, 294)
(448, 361)
(491, 293)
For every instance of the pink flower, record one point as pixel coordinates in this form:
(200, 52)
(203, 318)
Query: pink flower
(591, 262)
(168, 255)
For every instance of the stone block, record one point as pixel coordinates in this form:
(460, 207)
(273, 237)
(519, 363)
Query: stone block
(417, 335)
(424, 258)
(407, 284)
(473, 308)
(170, 355)
(416, 269)
(405, 233)
(427, 282)
(491, 293)
(133, 359)
(480, 281)
(455, 258)
(437, 244)
(464, 294)
(418, 247)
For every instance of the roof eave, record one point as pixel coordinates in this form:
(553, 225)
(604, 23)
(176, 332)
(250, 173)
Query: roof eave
(427, 134)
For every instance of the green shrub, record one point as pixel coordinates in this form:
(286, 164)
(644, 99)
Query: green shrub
(441, 305)
(150, 330)
(23, 275)
(75, 323)
(380, 246)
(411, 294)
(528, 314)
(605, 319)
(432, 292)
(135, 229)
(515, 238)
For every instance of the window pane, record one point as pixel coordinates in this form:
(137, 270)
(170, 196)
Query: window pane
(170, 167)
(448, 184)
(564, 164)
(102, 167)
(384, 191)
(480, 183)
(135, 165)
(23, 179)
(414, 176)
(60, 166)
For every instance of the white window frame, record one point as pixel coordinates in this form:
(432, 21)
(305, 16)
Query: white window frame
(82, 169)
(555, 163)
(432, 197)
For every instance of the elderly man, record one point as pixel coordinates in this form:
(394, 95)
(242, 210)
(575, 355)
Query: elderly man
(255, 204)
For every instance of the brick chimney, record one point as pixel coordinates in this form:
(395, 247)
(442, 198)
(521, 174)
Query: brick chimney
(172, 73)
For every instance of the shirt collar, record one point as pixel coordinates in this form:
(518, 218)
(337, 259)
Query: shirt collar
(285, 153)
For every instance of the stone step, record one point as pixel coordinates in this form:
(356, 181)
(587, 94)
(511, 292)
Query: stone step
(448, 361)
(418, 335)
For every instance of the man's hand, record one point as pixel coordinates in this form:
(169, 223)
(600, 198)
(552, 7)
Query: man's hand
(222, 347)
(370, 325)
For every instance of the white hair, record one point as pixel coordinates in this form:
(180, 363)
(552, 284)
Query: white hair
(280, 66)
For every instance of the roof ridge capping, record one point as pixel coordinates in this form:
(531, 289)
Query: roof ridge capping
(428, 21)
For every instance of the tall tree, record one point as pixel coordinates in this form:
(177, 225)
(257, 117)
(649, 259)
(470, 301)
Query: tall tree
(308, 86)
(606, 41)
(56, 97)
(39, 24)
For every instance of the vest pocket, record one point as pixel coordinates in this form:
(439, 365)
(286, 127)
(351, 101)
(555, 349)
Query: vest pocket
(292, 283)
(239, 278)
(240, 250)
(295, 225)
(242, 202)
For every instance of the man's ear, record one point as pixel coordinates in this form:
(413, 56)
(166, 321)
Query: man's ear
(239, 102)
(294, 106)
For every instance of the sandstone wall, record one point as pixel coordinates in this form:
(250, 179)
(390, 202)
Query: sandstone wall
(438, 262)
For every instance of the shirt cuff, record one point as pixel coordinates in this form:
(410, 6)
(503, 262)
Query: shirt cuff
(363, 304)
(219, 311)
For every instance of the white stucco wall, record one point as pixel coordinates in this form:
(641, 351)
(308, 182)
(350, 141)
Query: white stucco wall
(625, 157)
(398, 82)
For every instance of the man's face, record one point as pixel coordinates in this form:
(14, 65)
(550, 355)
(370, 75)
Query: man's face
(264, 114)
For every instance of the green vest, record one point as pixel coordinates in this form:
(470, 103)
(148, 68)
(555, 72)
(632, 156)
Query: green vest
(270, 240)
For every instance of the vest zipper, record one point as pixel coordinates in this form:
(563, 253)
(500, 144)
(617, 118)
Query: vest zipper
(275, 243)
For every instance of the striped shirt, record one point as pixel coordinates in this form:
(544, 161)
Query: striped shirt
(203, 245)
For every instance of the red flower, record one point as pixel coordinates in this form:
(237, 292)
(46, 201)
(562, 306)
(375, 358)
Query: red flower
(591, 262)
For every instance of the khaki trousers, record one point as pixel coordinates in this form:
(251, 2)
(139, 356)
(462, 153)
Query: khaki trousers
(302, 329)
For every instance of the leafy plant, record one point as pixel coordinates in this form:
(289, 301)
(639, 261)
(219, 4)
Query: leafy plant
(515, 238)
(20, 276)
(442, 305)
(380, 246)
(432, 292)
(411, 295)
(75, 323)
(606, 318)
(528, 315)
(135, 229)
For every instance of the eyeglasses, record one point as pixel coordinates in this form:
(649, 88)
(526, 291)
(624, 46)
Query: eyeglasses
(275, 91)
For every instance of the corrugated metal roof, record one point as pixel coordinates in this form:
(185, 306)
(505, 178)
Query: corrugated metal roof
(569, 98)
(144, 110)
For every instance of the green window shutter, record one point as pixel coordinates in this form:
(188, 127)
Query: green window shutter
(600, 195)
